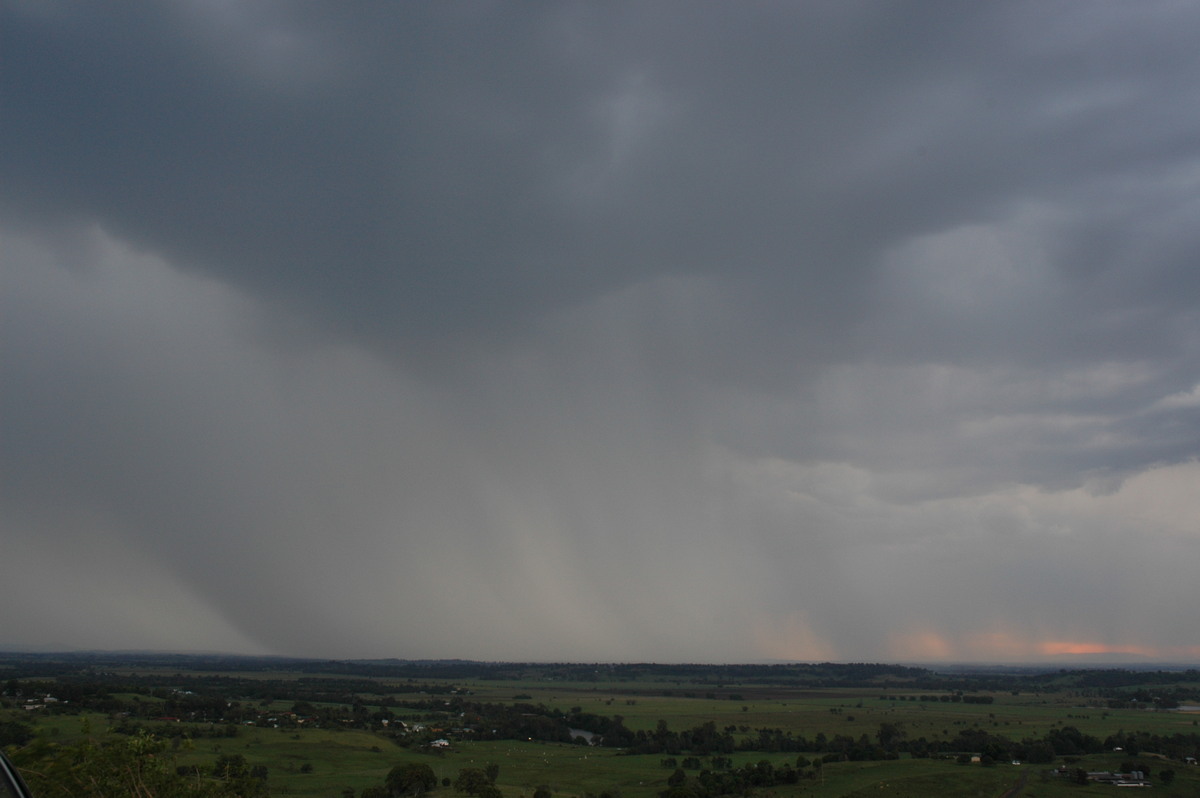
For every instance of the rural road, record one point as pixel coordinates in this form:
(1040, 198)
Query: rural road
(1015, 790)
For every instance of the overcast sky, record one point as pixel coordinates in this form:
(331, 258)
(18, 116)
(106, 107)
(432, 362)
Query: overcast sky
(648, 331)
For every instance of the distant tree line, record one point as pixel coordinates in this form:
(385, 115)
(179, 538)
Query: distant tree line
(327, 678)
(943, 697)
(891, 740)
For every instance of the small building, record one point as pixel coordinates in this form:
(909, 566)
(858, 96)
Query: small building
(1134, 778)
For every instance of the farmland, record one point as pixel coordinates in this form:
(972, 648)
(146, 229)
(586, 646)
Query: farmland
(338, 729)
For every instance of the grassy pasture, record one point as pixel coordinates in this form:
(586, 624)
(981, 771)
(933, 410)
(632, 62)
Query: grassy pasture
(355, 759)
(853, 712)
(338, 759)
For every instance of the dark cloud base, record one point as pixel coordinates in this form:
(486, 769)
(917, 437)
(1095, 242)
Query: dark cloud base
(622, 332)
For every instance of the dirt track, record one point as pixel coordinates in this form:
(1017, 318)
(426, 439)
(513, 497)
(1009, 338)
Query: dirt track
(1015, 790)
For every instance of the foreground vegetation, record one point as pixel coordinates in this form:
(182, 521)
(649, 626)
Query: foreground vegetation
(187, 726)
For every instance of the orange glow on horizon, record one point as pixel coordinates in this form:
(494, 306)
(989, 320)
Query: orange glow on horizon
(1065, 647)
(1052, 648)
(1009, 646)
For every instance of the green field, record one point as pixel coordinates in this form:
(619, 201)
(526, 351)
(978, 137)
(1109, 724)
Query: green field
(332, 760)
(351, 759)
(843, 711)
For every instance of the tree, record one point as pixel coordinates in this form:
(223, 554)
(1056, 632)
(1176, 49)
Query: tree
(15, 733)
(889, 734)
(234, 770)
(231, 766)
(472, 781)
(304, 709)
(413, 778)
(1040, 753)
(141, 765)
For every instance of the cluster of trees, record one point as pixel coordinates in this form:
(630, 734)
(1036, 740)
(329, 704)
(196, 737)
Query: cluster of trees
(738, 781)
(955, 697)
(1124, 677)
(14, 733)
(209, 699)
(522, 721)
(205, 693)
(398, 676)
(139, 765)
(826, 674)
(79, 695)
(891, 740)
(1166, 698)
(412, 779)
(486, 721)
(415, 676)
(1173, 746)
(701, 740)
(176, 731)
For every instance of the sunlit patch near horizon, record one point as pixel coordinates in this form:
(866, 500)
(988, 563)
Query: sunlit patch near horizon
(920, 646)
(790, 638)
(1061, 648)
(1057, 648)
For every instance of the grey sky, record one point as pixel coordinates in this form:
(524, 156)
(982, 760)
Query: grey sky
(646, 331)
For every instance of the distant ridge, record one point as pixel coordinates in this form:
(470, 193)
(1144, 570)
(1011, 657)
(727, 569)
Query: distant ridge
(1111, 657)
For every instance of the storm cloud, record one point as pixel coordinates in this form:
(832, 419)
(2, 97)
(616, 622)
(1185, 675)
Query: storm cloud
(601, 331)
